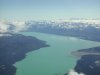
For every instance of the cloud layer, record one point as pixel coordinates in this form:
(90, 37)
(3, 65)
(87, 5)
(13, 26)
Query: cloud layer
(72, 72)
(14, 26)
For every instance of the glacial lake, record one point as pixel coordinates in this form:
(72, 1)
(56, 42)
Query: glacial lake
(53, 60)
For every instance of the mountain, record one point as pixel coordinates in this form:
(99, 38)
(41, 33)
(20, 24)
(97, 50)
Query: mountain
(81, 29)
(84, 29)
(88, 64)
(13, 48)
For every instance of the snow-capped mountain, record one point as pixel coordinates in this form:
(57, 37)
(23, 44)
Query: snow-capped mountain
(6, 26)
(67, 24)
(85, 29)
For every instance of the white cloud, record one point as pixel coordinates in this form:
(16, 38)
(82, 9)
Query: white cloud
(3, 27)
(7, 26)
(19, 26)
(5, 35)
(72, 72)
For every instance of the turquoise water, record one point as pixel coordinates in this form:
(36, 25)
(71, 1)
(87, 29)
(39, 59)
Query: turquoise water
(53, 60)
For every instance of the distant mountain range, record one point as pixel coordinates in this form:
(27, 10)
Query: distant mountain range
(84, 29)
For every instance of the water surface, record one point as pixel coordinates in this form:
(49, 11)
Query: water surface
(53, 60)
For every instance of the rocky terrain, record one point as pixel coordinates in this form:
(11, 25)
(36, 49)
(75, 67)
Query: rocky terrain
(89, 65)
(13, 48)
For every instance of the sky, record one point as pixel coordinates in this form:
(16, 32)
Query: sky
(48, 9)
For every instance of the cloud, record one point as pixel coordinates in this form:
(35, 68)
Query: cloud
(72, 72)
(19, 26)
(5, 35)
(3, 27)
(14, 26)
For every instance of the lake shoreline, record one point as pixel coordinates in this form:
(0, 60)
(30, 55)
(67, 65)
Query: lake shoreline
(54, 35)
(14, 48)
(89, 63)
